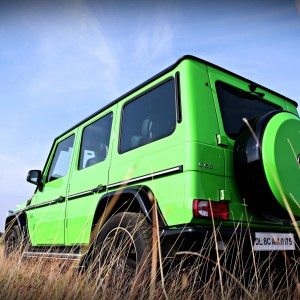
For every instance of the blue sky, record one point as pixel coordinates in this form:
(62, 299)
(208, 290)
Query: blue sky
(62, 60)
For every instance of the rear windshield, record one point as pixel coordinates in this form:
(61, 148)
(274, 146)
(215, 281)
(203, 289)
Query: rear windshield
(237, 104)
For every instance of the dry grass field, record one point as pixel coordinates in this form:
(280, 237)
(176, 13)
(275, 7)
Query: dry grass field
(194, 275)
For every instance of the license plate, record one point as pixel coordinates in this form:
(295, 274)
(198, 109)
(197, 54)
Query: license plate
(269, 241)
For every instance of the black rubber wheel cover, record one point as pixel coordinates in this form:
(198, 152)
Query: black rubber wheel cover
(249, 171)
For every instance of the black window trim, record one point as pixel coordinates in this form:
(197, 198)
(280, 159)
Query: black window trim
(178, 97)
(223, 83)
(81, 138)
(52, 155)
(169, 78)
(165, 72)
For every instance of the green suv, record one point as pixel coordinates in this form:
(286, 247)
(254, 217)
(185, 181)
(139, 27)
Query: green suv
(209, 148)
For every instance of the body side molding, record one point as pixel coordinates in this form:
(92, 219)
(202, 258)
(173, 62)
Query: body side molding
(153, 175)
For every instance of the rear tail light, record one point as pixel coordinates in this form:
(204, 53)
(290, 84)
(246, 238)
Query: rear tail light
(211, 209)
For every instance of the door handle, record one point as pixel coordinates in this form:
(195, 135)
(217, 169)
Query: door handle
(99, 188)
(61, 199)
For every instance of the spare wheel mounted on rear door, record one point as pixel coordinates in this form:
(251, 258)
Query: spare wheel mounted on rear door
(267, 164)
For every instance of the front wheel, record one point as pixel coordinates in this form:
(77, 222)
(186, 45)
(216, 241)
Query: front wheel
(13, 241)
(123, 246)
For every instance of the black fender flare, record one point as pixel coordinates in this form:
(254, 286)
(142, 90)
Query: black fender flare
(20, 219)
(136, 195)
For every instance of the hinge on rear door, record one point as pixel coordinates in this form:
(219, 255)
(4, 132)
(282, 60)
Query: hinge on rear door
(222, 140)
(225, 195)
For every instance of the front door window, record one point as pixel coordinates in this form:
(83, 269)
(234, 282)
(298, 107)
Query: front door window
(61, 161)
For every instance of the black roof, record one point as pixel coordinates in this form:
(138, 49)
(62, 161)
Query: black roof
(166, 71)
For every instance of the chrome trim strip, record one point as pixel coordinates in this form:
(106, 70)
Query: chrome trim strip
(80, 194)
(100, 188)
(39, 205)
(95, 190)
(148, 176)
(61, 199)
(69, 256)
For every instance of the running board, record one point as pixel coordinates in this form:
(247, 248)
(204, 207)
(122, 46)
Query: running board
(53, 255)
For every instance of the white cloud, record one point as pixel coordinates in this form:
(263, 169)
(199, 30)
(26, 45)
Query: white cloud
(154, 41)
(73, 55)
(5, 158)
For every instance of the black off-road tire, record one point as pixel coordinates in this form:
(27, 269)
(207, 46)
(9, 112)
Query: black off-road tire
(13, 241)
(108, 247)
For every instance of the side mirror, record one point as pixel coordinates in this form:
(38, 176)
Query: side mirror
(35, 177)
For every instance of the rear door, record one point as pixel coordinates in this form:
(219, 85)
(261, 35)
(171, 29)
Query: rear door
(150, 146)
(234, 101)
(235, 104)
(47, 216)
(89, 176)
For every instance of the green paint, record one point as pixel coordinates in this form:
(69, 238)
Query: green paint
(199, 143)
(280, 150)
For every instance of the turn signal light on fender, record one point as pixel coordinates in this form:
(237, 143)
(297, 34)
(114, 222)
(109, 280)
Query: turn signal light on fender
(218, 210)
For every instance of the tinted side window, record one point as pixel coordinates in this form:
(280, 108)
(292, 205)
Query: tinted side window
(236, 104)
(148, 118)
(62, 158)
(95, 142)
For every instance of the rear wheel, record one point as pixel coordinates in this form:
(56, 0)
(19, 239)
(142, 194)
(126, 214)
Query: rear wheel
(123, 246)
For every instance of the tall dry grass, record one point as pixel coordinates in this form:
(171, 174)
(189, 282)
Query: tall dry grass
(232, 274)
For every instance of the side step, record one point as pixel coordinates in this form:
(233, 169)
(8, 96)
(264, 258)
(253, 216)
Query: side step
(53, 255)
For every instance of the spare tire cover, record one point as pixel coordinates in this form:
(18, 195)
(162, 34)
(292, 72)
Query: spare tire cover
(267, 164)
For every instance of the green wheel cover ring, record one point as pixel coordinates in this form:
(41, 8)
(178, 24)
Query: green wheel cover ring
(281, 157)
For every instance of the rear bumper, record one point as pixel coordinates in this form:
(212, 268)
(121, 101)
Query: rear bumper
(202, 231)
(196, 236)
(231, 246)
(224, 232)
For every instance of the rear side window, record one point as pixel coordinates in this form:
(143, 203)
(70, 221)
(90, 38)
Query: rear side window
(95, 142)
(149, 117)
(61, 160)
(236, 104)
